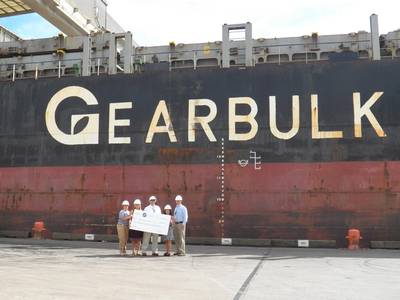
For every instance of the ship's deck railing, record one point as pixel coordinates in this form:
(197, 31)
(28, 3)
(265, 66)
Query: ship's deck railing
(52, 68)
(194, 59)
(264, 54)
(42, 69)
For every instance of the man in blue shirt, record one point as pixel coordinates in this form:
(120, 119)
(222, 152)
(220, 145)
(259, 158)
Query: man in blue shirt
(180, 218)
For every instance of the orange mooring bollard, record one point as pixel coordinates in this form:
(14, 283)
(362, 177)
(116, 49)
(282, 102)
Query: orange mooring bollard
(38, 229)
(354, 237)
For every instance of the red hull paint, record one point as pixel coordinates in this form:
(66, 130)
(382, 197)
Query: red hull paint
(282, 200)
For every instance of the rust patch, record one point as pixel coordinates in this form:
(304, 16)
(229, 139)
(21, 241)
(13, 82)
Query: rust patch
(186, 154)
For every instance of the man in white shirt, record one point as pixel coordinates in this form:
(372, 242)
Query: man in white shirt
(152, 208)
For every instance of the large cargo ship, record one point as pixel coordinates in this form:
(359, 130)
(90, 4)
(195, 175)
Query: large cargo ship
(265, 139)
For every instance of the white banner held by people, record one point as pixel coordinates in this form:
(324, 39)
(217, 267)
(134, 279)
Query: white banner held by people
(153, 223)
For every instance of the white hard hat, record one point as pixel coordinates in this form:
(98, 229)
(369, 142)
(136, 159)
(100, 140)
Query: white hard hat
(125, 202)
(153, 198)
(137, 201)
(167, 207)
(178, 198)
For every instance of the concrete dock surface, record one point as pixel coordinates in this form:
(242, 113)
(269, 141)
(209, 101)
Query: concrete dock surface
(31, 269)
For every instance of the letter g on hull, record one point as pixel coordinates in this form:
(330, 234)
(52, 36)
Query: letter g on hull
(88, 135)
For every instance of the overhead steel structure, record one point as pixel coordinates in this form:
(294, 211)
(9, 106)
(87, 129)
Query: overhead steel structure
(13, 7)
(72, 17)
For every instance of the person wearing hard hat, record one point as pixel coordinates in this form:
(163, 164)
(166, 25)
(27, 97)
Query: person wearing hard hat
(152, 208)
(122, 226)
(136, 235)
(170, 235)
(180, 219)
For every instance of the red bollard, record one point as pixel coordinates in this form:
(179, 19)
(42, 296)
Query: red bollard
(354, 237)
(38, 229)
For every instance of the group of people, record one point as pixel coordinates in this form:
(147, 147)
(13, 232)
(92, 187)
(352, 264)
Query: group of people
(140, 240)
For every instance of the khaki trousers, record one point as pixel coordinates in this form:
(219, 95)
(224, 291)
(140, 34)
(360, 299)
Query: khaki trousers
(154, 241)
(123, 231)
(179, 235)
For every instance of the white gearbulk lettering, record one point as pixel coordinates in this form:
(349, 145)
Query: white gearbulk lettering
(161, 110)
(316, 133)
(203, 120)
(365, 110)
(295, 119)
(250, 119)
(89, 134)
(120, 122)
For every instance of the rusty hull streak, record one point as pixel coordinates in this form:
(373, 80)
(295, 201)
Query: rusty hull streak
(186, 154)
